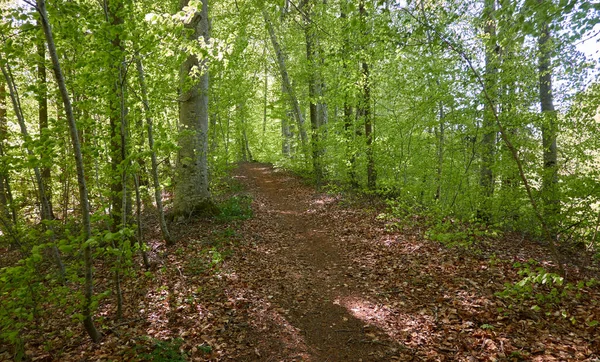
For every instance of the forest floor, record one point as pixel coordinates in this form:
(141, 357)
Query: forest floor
(314, 277)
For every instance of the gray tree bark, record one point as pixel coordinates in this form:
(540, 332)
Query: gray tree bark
(285, 80)
(150, 125)
(366, 106)
(486, 179)
(550, 192)
(191, 187)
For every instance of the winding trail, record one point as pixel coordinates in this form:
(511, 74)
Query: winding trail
(304, 273)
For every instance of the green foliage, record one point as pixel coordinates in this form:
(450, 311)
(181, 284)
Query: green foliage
(542, 288)
(537, 284)
(238, 207)
(164, 351)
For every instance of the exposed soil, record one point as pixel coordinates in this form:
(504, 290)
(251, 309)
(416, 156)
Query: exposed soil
(311, 277)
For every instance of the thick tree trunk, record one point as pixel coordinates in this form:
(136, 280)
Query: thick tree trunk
(83, 192)
(191, 188)
(285, 80)
(150, 125)
(550, 192)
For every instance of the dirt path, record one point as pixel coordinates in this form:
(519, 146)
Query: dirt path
(301, 268)
(316, 281)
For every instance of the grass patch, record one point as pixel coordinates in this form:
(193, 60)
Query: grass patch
(238, 207)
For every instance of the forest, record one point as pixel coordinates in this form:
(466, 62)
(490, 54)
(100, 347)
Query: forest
(299, 180)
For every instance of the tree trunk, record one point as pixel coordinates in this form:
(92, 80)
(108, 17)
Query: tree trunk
(486, 179)
(6, 204)
(44, 203)
(138, 212)
(366, 107)
(43, 123)
(265, 98)
(191, 187)
(150, 125)
(113, 11)
(550, 192)
(313, 94)
(348, 111)
(285, 80)
(83, 192)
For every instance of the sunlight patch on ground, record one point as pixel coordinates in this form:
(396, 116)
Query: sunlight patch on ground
(286, 212)
(324, 200)
(408, 329)
(156, 310)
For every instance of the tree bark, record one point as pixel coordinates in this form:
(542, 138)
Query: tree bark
(486, 179)
(348, 109)
(285, 80)
(313, 94)
(550, 192)
(150, 126)
(6, 203)
(191, 188)
(113, 11)
(366, 106)
(43, 123)
(83, 192)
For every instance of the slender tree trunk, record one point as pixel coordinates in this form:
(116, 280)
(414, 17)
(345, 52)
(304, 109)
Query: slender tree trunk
(441, 138)
(43, 122)
(83, 193)
(348, 111)
(265, 98)
(313, 95)
(486, 179)
(286, 134)
(140, 235)
(440, 131)
(150, 125)
(241, 132)
(191, 188)
(113, 11)
(44, 203)
(5, 194)
(285, 80)
(366, 105)
(550, 191)
(371, 172)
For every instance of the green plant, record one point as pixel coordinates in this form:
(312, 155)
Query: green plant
(164, 351)
(537, 284)
(236, 208)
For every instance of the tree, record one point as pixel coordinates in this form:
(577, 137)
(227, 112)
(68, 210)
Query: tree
(550, 198)
(365, 104)
(489, 129)
(192, 194)
(288, 89)
(88, 321)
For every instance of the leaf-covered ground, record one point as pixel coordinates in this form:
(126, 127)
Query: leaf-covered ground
(311, 277)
